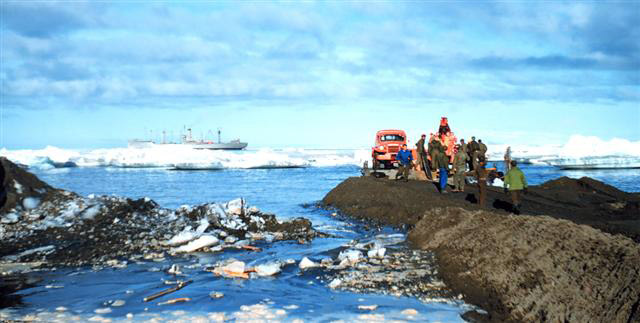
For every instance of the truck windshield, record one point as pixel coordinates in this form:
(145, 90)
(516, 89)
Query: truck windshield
(391, 138)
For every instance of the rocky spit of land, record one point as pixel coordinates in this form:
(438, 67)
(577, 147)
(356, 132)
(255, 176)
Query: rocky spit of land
(573, 257)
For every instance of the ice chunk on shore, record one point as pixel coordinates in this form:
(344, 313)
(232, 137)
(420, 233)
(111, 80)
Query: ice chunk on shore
(233, 268)
(335, 283)
(353, 256)
(269, 269)
(183, 237)
(91, 212)
(10, 218)
(376, 252)
(497, 183)
(204, 224)
(235, 206)
(307, 263)
(188, 234)
(204, 241)
(30, 203)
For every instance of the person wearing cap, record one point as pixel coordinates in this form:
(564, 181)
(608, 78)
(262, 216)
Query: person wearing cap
(481, 175)
(422, 155)
(515, 183)
(459, 168)
(463, 146)
(404, 157)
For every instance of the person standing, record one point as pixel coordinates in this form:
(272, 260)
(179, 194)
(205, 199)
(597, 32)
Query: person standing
(443, 169)
(515, 183)
(463, 146)
(472, 148)
(436, 150)
(405, 157)
(422, 155)
(459, 169)
(482, 148)
(481, 175)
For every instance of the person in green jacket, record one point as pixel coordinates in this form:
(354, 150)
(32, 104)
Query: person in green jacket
(459, 168)
(422, 154)
(515, 183)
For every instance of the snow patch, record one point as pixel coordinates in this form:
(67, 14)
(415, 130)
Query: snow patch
(17, 186)
(10, 218)
(91, 212)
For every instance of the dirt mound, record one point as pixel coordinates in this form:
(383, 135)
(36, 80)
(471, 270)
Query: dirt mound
(584, 185)
(385, 201)
(18, 184)
(583, 201)
(533, 268)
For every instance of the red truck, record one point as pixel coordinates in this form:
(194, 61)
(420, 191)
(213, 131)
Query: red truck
(387, 145)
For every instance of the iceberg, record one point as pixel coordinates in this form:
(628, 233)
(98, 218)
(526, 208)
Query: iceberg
(579, 152)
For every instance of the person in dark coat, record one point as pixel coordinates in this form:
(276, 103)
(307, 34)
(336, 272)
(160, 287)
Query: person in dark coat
(436, 150)
(422, 154)
(472, 148)
(481, 175)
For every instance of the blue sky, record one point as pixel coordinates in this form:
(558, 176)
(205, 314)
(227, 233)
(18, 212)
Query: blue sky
(325, 74)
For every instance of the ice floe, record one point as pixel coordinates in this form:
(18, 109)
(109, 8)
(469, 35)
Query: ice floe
(578, 150)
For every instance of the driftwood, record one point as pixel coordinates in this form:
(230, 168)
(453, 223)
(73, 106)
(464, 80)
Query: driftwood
(175, 300)
(167, 291)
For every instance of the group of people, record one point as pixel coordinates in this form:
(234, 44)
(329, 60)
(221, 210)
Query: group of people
(469, 159)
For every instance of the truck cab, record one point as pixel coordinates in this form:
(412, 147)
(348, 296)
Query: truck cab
(387, 145)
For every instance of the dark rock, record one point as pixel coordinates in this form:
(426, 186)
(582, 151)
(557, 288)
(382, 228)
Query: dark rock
(30, 186)
(12, 283)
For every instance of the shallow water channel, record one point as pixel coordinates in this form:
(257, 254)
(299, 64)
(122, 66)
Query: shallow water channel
(117, 294)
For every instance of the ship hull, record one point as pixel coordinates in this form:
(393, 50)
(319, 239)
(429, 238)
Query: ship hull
(200, 146)
(220, 146)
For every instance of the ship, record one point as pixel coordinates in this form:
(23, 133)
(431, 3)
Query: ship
(187, 140)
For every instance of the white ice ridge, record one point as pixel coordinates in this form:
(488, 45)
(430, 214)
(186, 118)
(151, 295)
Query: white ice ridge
(578, 150)
(176, 156)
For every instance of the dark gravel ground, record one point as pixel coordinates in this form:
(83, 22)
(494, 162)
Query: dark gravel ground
(519, 268)
(582, 201)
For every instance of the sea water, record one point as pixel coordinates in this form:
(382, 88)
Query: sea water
(89, 293)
